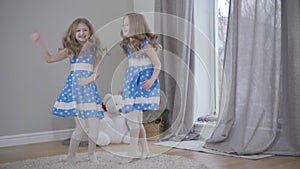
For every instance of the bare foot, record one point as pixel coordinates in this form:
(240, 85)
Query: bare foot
(145, 155)
(72, 158)
(127, 160)
(93, 158)
(130, 157)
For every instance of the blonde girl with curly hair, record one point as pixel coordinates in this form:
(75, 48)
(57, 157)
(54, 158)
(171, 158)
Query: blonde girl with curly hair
(79, 98)
(141, 88)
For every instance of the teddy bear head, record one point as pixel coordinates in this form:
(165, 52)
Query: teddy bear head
(112, 103)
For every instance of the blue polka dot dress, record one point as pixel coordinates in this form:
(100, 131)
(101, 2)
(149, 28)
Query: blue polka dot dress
(76, 100)
(140, 68)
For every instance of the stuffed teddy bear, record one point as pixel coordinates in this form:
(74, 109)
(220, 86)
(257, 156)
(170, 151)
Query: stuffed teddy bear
(113, 127)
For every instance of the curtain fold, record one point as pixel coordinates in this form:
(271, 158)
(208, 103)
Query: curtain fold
(287, 141)
(175, 23)
(260, 87)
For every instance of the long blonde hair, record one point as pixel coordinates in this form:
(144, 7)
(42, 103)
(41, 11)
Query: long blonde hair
(138, 32)
(74, 47)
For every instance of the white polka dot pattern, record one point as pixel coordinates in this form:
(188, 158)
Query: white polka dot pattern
(134, 96)
(76, 100)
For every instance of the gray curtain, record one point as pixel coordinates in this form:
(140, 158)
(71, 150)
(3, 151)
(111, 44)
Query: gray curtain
(174, 21)
(261, 81)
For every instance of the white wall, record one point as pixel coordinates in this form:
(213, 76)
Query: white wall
(30, 86)
(147, 8)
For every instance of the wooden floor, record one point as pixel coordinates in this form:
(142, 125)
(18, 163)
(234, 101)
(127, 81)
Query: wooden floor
(15, 153)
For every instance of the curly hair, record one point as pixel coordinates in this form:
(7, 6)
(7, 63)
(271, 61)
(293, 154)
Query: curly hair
(139, 31)
(74, 47)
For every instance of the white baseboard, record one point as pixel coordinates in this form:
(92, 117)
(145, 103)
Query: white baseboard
(30, 138)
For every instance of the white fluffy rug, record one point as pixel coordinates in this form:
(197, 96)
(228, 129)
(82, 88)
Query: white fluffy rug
(106, 161)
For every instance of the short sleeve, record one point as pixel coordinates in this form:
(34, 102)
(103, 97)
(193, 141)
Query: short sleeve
(145, 42)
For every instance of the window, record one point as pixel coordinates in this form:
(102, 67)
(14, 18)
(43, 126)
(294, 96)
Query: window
(211, 19)
(222, 10)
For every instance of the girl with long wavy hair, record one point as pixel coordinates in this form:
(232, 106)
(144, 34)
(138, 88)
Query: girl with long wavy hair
(79, 97)
(141, 88)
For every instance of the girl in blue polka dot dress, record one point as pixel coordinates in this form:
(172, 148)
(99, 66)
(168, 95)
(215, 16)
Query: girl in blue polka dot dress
(79, 97)
(141, 89)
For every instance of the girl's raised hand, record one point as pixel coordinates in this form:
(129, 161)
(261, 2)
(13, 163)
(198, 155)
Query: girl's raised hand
(34, 35)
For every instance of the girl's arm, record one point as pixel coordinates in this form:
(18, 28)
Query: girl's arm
(93, 77)
(35, 36)
(150, 51)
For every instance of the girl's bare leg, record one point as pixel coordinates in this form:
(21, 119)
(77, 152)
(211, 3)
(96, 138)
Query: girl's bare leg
(143, 141)
(75, 140)
(134, 127)
(93, 134)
